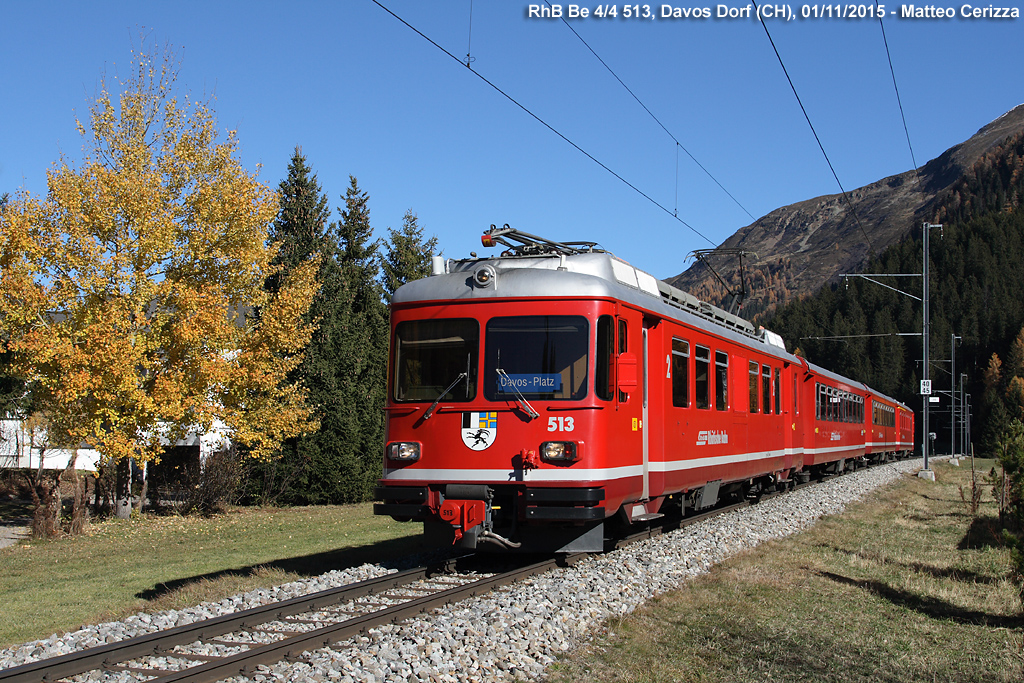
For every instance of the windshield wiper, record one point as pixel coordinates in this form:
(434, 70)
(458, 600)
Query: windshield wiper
(520, 399)
(430, 410)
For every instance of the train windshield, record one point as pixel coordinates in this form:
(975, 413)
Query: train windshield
(538, 356)
(436, 359)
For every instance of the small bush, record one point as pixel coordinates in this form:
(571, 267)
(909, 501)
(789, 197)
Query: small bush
(206, 488)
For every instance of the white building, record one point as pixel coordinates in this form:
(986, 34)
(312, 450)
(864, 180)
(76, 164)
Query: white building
(17, 452)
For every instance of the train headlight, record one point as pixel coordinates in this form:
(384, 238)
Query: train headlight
(559, 451)
(485, 276)
(404, 451)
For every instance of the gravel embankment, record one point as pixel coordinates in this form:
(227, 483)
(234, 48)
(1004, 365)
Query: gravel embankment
(516, 631)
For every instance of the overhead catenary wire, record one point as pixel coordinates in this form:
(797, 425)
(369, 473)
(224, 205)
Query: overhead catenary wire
(679, 145)
(828, 161)
(895, 87)
(469, 44)
(547, 125)
(840, 337)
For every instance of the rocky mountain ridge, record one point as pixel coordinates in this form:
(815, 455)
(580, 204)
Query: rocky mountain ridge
(805, 245)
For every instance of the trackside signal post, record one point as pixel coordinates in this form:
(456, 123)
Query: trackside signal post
(926, 383)
(926, 472)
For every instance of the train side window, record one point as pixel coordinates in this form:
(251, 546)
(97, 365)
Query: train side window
(603, 373)
(623, 346)
(766, 389)
(778, 392)
(721, 380)
(680, 373)
(796, 396)
(754, 402)
(702, 377)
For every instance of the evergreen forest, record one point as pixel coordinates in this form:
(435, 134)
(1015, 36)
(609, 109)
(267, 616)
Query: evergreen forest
(976, 272)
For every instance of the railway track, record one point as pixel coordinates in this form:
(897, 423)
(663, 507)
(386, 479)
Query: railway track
(271, 633)
(237, 644)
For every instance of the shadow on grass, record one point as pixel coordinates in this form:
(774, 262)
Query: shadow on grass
(929, 606)
(938, 572)
(984, 532)
(15, 510)
(939, 499)
(388, 553)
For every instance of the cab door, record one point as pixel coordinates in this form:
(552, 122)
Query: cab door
(629, 421)
(654, 407)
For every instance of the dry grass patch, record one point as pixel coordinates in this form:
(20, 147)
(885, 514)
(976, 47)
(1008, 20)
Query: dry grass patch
(889, 591)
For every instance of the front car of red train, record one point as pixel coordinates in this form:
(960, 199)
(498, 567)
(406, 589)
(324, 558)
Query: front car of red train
(499, 387)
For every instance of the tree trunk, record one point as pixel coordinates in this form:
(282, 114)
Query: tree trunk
(79, 511)
(46, 498)
(123, 492)
(145, 488)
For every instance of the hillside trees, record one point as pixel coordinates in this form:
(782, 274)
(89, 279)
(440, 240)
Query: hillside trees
(126, 293)
(975, 293)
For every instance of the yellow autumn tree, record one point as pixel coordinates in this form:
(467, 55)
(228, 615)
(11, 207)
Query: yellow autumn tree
(131, 295)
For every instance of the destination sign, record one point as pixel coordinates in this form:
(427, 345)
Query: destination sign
(530, 384)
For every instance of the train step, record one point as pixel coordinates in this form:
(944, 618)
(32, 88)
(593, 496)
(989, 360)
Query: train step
(647, 517)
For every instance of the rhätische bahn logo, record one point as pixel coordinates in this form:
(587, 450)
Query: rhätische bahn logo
(479, 430)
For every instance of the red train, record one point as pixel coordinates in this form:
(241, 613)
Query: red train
(535, 396)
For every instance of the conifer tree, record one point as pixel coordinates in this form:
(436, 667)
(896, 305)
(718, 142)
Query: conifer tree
(361, 357)
(408, 255)
(300, 234)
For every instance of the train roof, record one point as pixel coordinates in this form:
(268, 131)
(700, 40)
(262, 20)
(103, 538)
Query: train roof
(592, 273)
(823, 372)
(540, 268)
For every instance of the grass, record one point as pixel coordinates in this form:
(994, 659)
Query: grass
(150, 563)
(903, 587)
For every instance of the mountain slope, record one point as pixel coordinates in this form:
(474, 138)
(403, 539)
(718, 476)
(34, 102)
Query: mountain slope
(803, 246)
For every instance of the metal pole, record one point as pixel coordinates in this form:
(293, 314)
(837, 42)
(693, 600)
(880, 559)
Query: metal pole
(952, 395)
(968, 416)
(925, 440)
(963, 414)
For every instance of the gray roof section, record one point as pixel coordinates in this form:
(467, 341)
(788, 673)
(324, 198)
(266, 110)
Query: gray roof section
(586, 275)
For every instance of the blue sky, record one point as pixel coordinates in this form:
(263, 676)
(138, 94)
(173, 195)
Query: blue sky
(365, 96)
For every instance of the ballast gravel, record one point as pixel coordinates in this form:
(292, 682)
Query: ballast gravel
(512, 633)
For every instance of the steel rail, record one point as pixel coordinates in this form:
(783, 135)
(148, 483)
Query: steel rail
(156, 643)
(290, 649)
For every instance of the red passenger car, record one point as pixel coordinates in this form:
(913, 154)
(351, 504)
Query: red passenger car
(534, 396)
